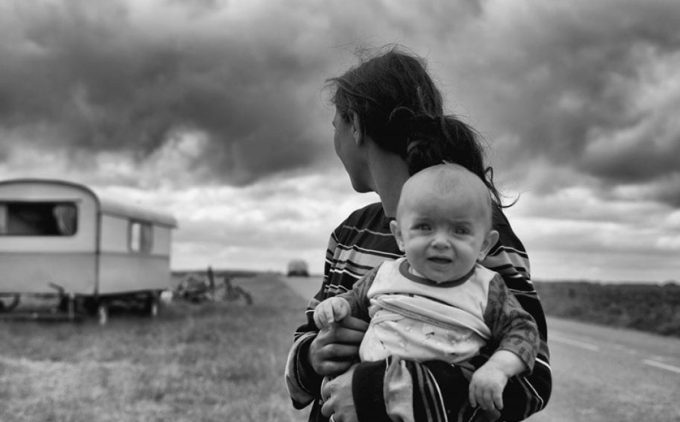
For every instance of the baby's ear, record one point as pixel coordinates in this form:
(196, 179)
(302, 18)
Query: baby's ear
(489, 241)
(396, 232)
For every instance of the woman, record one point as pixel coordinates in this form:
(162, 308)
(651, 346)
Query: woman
(388, 125)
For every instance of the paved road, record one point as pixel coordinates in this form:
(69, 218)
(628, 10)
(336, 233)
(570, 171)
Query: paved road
(606, 374)
(601, 374)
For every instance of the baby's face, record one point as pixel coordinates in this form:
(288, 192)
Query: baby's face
(443, 236)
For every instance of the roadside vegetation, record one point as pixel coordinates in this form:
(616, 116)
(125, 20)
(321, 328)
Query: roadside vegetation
(646, 307)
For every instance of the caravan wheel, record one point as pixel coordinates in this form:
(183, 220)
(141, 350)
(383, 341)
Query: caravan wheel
(152, 304)
(153, 308)
(102, 313)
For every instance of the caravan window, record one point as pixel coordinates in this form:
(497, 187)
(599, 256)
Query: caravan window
(141, 236)
(38, 218)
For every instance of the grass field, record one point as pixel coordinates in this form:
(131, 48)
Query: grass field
(217, 361)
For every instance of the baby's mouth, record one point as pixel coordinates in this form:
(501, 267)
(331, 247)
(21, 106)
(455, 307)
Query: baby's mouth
(440, 260)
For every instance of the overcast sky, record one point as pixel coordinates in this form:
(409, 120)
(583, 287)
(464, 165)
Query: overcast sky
(216, 111)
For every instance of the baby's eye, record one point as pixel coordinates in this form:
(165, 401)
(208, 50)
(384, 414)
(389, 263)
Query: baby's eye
(461, 230)
(422, 227)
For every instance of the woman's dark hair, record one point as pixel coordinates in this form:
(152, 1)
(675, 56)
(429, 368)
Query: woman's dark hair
(434, 140)
(378, 86)
(401, 109)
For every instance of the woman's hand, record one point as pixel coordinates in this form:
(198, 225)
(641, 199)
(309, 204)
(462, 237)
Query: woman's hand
(338, 399)
(336, 347)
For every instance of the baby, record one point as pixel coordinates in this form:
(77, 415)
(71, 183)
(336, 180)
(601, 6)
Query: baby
(438, 302)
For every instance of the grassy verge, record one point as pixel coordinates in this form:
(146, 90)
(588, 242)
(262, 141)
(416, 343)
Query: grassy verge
(220, 361)
(645, 307)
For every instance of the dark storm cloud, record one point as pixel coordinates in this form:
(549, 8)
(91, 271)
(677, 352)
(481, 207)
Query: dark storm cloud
(591, 87)
(588, 85)
(98, 79)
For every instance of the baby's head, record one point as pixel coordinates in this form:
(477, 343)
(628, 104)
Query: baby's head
(444, 222)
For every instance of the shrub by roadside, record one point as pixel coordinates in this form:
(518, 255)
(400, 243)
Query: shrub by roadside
(646, 307)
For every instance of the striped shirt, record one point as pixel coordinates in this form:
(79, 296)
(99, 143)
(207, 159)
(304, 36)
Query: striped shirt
(361, 243)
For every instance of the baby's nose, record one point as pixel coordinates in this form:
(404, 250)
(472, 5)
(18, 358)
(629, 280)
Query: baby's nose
(440, 240)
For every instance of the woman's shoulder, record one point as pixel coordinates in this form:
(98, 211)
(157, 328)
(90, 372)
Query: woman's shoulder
(507, 236)
(367, 227)
(368, 216)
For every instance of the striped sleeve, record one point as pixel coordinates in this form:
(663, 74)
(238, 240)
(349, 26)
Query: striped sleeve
(302, 382)
(347, 262)
(359, 244)
(524, 395)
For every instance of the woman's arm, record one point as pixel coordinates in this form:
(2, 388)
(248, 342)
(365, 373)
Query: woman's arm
(524, 395)
(514, 337)
(330, 351)
(302, 381)
(333, 349)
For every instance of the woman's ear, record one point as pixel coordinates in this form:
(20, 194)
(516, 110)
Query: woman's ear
(357, 130)
(396, 232)
(489, 242)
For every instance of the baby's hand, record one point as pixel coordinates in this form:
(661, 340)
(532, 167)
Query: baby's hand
(331, 310)
(486, 387)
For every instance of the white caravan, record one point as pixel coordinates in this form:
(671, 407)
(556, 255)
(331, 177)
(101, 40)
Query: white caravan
(61, 237)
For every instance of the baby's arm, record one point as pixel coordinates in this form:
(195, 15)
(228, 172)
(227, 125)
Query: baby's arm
(516, 340)
(488, 382)
(331, 310)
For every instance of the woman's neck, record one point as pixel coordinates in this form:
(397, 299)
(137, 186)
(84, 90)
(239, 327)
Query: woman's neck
(390, 172)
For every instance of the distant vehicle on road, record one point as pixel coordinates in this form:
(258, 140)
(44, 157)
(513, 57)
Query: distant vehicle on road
(298, 268)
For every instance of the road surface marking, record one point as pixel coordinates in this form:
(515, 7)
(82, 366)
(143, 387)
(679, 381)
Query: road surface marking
(577, 343)
(661, 365)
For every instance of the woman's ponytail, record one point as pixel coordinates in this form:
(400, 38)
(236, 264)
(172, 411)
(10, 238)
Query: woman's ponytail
(423, 143)
(434, 140)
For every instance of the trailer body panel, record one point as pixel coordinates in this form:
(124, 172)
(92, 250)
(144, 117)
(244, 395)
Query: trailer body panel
(54, 232)
(47, 273)
(125, 274)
